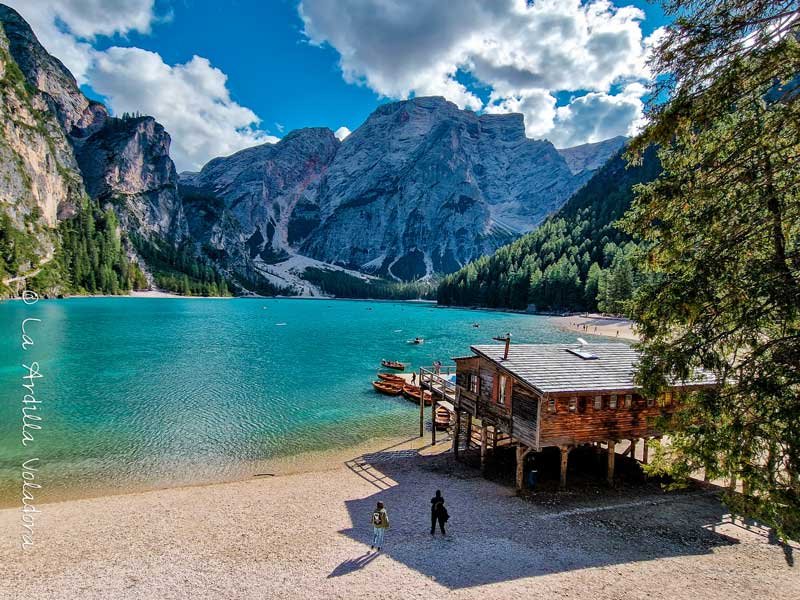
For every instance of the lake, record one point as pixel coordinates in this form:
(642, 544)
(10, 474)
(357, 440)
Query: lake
(139, 393)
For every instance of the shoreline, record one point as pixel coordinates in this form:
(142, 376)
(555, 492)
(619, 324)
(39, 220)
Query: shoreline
(593, 324)
(306, 462)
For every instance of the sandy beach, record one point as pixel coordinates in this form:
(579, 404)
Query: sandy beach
(597, 325)
(308, 534)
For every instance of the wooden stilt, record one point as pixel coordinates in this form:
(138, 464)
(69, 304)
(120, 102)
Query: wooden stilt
(433, 417)
(469, 431)
(421, 406)
(494, 438)
(611, 455)
(522, 452)
(564, 460)
(457, 433)
(484, 440)
(631, 449)
(644, 452)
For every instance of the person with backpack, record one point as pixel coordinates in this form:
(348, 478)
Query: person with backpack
(438, 513)
(380, 523)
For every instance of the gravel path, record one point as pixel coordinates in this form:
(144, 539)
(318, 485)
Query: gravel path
(307, 536)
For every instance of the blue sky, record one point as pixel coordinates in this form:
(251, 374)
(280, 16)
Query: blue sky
(261, 70)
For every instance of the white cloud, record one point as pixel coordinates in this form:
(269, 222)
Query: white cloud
(524, 52)
(342, 133)
(66, 28)
(191, 100)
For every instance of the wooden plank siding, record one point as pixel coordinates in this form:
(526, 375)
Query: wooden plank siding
(584, 424)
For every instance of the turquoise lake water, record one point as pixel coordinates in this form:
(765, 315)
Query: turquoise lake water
(139, 393)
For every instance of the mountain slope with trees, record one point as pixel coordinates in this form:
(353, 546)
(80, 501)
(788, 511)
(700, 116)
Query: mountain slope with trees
(576, 260)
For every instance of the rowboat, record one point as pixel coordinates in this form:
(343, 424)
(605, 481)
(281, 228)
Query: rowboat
(387, 388)
(442, 420)
(393, 364)
(391, 378)
(412, 392)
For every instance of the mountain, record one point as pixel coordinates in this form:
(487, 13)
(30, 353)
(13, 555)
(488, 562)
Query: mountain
(92, 203)
(421, 187)
(590, 157)
(577, 259)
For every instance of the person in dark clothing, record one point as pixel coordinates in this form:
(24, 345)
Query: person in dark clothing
(438, 513)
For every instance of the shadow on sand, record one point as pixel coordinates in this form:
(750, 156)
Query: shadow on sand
(494, 536)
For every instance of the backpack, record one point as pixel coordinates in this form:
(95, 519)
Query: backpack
(377, 518)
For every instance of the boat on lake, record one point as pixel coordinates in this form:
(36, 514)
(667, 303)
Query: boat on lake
(393, 364)
(391, 378)
(442, 420)
(389, 389)
(412, 392)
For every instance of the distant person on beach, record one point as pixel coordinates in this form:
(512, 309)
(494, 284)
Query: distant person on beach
(380, 523)
(438, 513)
(413, 378)
(437, 366)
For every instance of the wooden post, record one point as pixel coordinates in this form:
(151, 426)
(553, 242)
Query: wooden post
(494, 437)
(564, 460)
(457, 432)
(644, 452)
(631, 449)
(421, 405)
(611, 454)
(522, 452)
(433, 417)
(484, 439)
(469, 431)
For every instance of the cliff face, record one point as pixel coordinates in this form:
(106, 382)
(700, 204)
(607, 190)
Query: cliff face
(40, 181)
(253, 208)
(119, 162)
(420, 188)
(126, 163)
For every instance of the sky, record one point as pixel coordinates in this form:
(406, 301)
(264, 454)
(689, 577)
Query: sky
(225, 75)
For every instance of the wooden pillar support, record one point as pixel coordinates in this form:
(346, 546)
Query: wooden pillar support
(457, 433)
(644, 452)
(611, 456)
(433, 416)
(469, 430)
(484, 440)
(631, 449)
(494, 438)
(421, 405)
(522, 452)
(564, 460)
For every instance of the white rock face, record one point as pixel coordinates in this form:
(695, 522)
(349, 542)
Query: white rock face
(420, 188)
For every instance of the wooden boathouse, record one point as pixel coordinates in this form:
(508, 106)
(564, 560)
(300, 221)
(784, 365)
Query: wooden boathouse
(535, 396)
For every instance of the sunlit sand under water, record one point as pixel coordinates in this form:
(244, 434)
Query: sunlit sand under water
(144, 393)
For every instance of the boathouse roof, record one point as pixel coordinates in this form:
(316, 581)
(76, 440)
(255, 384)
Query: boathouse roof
(594, 367)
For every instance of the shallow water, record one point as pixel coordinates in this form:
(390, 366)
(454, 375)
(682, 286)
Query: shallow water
(141, 393)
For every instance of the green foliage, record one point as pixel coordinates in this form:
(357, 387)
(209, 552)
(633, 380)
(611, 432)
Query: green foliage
(180, 269)
(564, 263)
(339, 283)
(721, 228)
(90, 257)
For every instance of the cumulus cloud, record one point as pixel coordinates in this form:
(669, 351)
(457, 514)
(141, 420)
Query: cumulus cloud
(523, 52)
(342, 133)
(191, 100)
(66, 28)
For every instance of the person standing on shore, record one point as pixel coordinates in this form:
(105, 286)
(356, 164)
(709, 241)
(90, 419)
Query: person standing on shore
(380, 523)
(438, 513)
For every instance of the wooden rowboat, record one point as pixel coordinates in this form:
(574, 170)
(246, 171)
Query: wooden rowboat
(393, 364)
(391, 378)
(412, 392)
(386, 388)
(442, 420)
